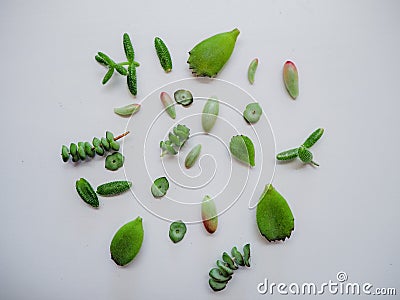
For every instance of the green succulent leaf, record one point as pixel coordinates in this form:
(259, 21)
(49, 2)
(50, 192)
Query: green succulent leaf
(160, 187)
(291, 79)
(209, 214)
(274, 217)
(127, 110)
(313, 138)
(210, 114)
(183, 97)
(114, 161)
(242, 148)
(128, 48)
(177, 231)
(252, 113)
(168, 104)
(192, 156)
(209, 56)
(127, 242)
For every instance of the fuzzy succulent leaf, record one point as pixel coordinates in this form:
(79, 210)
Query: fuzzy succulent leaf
(209, 56)
(274, 217)
(127, 242)
(163, 54)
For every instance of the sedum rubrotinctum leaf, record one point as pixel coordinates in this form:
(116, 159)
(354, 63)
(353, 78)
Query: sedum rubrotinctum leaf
(209, 56)
(242, 148)
(274, 217)
(127, 242)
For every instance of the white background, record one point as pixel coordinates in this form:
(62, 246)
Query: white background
(53, 246)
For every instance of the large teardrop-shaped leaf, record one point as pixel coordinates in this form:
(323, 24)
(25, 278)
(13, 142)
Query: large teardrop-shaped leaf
(274, 217)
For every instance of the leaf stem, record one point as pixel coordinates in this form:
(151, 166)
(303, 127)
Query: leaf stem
(121, 136)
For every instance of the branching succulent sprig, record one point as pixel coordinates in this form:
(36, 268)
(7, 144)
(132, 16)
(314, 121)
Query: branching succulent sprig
(176, 139)
(129, 72)
(220, 275)
(302, 152)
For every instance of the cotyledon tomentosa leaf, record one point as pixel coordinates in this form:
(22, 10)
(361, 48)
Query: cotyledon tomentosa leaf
(209, 56)
(274, 217)
(127, 242)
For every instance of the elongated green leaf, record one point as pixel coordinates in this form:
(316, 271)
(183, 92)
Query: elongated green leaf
(291, 79)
